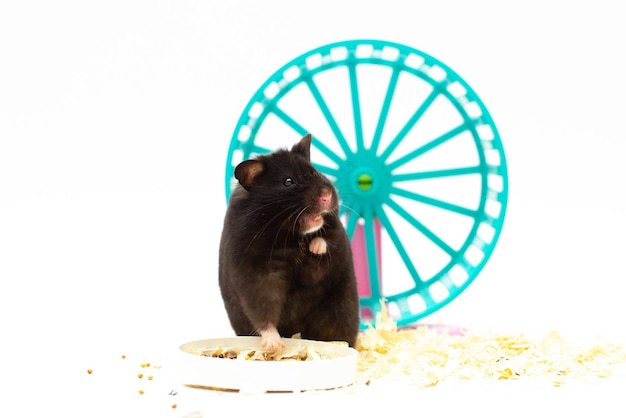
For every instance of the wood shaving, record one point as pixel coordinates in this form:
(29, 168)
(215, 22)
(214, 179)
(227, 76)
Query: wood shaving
(425, 356)
(295, 353)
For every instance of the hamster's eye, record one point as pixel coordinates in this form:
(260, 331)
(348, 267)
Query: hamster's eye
(288, 182)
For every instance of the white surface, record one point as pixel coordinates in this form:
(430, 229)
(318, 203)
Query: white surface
(115, 119)
(116, 395)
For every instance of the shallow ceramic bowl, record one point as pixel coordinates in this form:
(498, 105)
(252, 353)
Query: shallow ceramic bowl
(336, 371)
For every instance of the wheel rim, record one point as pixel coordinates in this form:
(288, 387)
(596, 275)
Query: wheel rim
(415, 156)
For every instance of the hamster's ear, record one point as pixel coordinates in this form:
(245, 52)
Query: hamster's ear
(247, 171)
(303, 147)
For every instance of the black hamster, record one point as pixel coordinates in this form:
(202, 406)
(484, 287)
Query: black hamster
(285, 261)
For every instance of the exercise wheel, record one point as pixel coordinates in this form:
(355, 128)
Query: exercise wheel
(415, 156)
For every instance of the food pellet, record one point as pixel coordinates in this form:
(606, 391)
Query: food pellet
(174, 406)
(140, 375)
(140, 392)
(149, 377)
(89, 371)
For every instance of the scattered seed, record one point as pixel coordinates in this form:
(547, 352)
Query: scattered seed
(89, 371)
(140, 392)
(140, 375)
(174, 406)
(150, 377)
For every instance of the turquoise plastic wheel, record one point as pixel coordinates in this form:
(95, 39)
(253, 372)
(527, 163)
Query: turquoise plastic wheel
(416, 158)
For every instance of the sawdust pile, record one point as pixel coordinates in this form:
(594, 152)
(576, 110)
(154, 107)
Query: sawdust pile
(426, 357)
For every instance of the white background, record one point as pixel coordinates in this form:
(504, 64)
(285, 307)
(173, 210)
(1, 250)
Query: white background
(115, 118)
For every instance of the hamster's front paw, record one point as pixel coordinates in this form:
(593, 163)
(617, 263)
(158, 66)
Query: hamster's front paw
(318, 246)
(270, 339)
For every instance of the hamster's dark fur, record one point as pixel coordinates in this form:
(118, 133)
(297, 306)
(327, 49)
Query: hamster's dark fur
(285, 261)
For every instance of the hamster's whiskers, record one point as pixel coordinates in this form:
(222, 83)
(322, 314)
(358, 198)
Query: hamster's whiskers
(295, 215)
(295, 220)
(264, 227)
(349, 208)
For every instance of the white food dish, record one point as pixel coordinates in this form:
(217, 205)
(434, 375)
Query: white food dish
(266, 376)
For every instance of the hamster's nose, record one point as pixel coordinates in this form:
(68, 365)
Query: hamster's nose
(325, 198)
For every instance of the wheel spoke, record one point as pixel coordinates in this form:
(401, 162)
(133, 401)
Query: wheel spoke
(372, 252)
(461, 171)
(427, 147)
(384, 111)
(353, 218)
(324, 169)
(302, 131)
(410, 123)
(434, 202)
(420, 226)
(356, 106)
(329, 117)
(397, 242)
